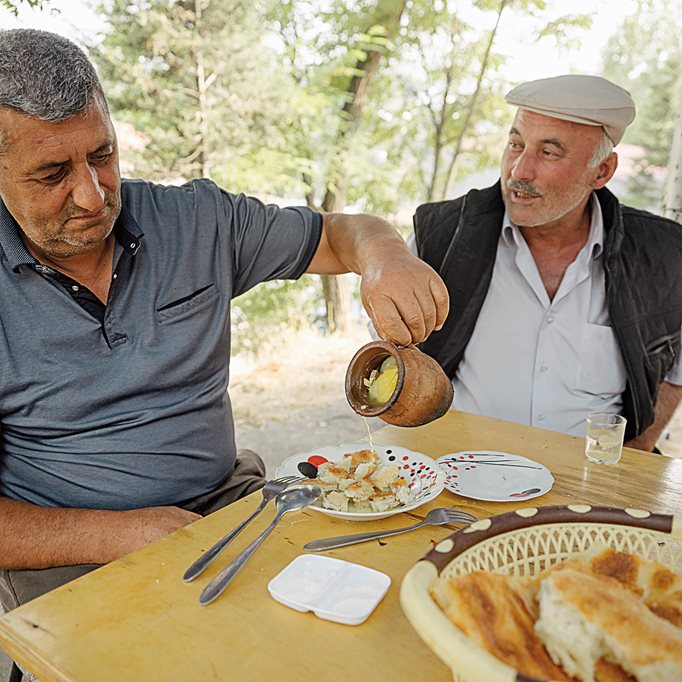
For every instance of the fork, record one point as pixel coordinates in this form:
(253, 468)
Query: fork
(436, 517)
(269, 491)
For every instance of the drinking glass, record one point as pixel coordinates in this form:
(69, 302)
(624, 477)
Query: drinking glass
(604, 437)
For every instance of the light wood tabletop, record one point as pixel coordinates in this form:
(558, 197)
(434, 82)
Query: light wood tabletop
(135, 619)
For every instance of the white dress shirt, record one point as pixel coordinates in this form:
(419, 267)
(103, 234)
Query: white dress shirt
(540, 362)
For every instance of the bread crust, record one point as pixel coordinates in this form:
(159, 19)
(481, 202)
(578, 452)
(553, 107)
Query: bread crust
(624, 613)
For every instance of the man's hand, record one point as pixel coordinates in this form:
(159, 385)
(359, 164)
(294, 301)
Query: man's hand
(136, 528)
(404, 297)
(669, 398)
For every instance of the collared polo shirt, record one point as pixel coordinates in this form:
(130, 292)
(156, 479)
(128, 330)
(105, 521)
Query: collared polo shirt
(130, 408)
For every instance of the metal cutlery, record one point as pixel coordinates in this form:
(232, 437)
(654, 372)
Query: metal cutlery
(270, 492)
(436, 517)
(289, 500)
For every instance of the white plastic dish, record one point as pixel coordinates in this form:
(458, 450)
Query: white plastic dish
(332, 589)
(420, 472)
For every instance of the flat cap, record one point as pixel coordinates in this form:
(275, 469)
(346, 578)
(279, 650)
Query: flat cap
(591, 100)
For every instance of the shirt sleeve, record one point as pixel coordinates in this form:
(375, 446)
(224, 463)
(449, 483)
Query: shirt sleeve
(270, 242)
(674, 376)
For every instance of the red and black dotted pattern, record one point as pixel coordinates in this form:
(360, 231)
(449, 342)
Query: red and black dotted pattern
(454, 467)
(412, 469)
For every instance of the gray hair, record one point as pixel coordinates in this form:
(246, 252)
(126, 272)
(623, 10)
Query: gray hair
(46, 76)
(601, 151)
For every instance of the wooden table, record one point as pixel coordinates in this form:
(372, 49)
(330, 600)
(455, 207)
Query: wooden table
(135, 619)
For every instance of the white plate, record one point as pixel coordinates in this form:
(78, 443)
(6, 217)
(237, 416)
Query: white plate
(420, 471)
(494, 476)
(331, 588)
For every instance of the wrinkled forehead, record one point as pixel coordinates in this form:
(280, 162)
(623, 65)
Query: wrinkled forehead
(531, 125)
(19, 130)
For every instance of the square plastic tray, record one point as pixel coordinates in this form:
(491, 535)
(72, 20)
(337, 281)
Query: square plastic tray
(331, 588)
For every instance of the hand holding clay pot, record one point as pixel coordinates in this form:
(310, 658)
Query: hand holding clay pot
(402, 386)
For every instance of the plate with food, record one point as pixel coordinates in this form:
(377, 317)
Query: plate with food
(494, 476)
(364, 485)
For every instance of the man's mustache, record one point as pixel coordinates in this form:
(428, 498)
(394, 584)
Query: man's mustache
(521, 186)
(77, 212)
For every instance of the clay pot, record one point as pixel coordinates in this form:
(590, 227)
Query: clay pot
(423, 391)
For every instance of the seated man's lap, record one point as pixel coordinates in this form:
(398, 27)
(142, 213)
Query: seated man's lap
(19, 587)
(247, 476)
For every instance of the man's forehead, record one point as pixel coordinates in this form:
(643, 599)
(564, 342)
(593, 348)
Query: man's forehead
(530, 123)
(84, 133)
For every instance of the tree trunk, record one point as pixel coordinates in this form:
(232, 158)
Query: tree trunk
(202, 87)
(472, 104)
(440, 117)
(338, 291)
(672, 203)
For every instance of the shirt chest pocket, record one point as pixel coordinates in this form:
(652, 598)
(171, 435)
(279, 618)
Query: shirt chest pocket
(189, 305)
(601, 370)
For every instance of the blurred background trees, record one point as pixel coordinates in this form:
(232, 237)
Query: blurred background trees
(645, 53)
(356, 105)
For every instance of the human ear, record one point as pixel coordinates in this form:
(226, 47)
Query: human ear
(605, 170)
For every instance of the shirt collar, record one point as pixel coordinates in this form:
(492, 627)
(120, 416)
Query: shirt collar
(126, 231)
(511, 234)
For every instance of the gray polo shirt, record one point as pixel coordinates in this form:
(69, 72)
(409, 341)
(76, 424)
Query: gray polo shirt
(133, 411)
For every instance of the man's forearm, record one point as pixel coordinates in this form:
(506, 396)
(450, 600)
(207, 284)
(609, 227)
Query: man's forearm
(41, 537)
(669, 397)
(350, 242)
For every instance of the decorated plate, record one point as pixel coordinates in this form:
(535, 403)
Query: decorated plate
(419, 471)
(494, 476)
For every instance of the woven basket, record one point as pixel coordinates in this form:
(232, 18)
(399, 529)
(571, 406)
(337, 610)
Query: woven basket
(524, 543)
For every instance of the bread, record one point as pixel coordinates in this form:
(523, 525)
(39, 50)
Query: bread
(585, 617)
(335, 500)
(361, 482)
(332, 472)
(384, 475)
(605, 616)
(658, 586)
(496, 612)
(605, 671)
(362, 456)
(364, 470)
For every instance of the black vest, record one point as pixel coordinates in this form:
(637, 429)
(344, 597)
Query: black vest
(643, 267)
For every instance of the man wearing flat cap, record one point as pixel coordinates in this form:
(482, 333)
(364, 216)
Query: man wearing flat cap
(563, 301)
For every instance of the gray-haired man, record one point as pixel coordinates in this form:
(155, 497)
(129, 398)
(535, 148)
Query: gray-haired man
(115, 425)
(564, 302)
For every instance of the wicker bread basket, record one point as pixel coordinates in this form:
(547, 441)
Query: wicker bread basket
(524, 542)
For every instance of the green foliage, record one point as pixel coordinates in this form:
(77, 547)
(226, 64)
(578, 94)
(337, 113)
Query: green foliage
(13, 5)
(263, 97)
(202, 90)
(270, 309)
(645, 56)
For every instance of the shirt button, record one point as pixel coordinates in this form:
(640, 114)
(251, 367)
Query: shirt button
(544, 368)
(541, 417)
(75, 288)
(115, 276)
(550, 319)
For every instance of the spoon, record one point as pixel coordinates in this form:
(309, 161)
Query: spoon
(436, 517)
(289, 500)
